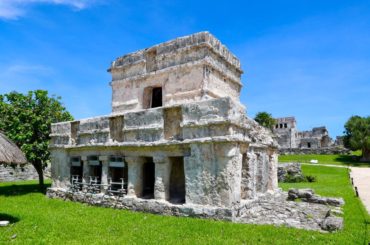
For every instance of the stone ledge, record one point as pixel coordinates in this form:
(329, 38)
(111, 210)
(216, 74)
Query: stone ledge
(185, 42)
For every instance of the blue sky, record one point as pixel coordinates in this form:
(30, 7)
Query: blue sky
(308, 59)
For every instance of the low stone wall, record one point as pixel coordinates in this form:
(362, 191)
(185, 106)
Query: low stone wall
(144, 205)
(270, 208)
(318, 151)
(18, 173)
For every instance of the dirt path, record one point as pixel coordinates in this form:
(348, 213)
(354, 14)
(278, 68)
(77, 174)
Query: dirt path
(326, 165)
(361, 179)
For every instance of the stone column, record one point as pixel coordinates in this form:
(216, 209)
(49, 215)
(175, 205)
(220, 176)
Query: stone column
(85, 171)
(104, 173)
(273, 166)
(252, 173)
(135, 176)
(162, 177)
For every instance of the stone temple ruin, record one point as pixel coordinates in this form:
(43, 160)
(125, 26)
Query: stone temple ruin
(178, 141)
(314, 141)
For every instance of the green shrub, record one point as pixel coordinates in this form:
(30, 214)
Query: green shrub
(311, 178)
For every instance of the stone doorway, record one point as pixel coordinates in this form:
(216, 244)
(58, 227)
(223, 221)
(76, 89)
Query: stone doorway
(177, 180)
(148, 178)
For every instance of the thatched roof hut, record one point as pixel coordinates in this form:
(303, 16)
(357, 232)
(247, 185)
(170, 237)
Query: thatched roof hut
(9, 152)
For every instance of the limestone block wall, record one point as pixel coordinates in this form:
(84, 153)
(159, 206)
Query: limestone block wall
(211, 118)
(60, 168)
(93, 130)
(213, 174)
(61, 133)
(146, 125)
(188, 69)
(178, 86)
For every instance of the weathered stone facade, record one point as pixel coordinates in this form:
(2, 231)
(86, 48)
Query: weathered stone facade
(177, 129)
(178, 141)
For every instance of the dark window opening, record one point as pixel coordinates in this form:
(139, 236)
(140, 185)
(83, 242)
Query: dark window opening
(148, 178)
(281, 125)
(309, 145)
(95, 170)
(156, 97)
(285, 125)
(177, 180)
(76, 172)
(277, 126)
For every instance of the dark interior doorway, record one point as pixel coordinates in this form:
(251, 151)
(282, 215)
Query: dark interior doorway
(156, 97)
(148, 178)
(95, 172)
(77, 171)
(177, 180)
(117, 174)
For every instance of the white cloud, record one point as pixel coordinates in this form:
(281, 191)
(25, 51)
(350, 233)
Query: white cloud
(13, 9)
(29, 69)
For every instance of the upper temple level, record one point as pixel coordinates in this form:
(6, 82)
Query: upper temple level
(186, 69)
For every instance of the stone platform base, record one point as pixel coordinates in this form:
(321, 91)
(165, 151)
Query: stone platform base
(143, 205)
(271, 208)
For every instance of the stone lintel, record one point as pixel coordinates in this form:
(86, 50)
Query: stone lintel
(103, 158)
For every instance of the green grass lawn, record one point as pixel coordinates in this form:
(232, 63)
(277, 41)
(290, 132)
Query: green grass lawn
(39, 220)
(346, 160)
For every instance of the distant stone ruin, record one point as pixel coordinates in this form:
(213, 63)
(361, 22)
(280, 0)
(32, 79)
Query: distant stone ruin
(20, 172)
(178, 141)
(315, 141)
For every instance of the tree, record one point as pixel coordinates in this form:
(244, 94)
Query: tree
(357, 135)
(26, 119)
(265, 119)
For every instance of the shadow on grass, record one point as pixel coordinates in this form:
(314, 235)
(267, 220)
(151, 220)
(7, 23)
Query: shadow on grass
(352, 160)
(9, 218)
(22, 189)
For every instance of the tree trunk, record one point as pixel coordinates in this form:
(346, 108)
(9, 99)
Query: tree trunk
(365, 155)
(40, 172)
